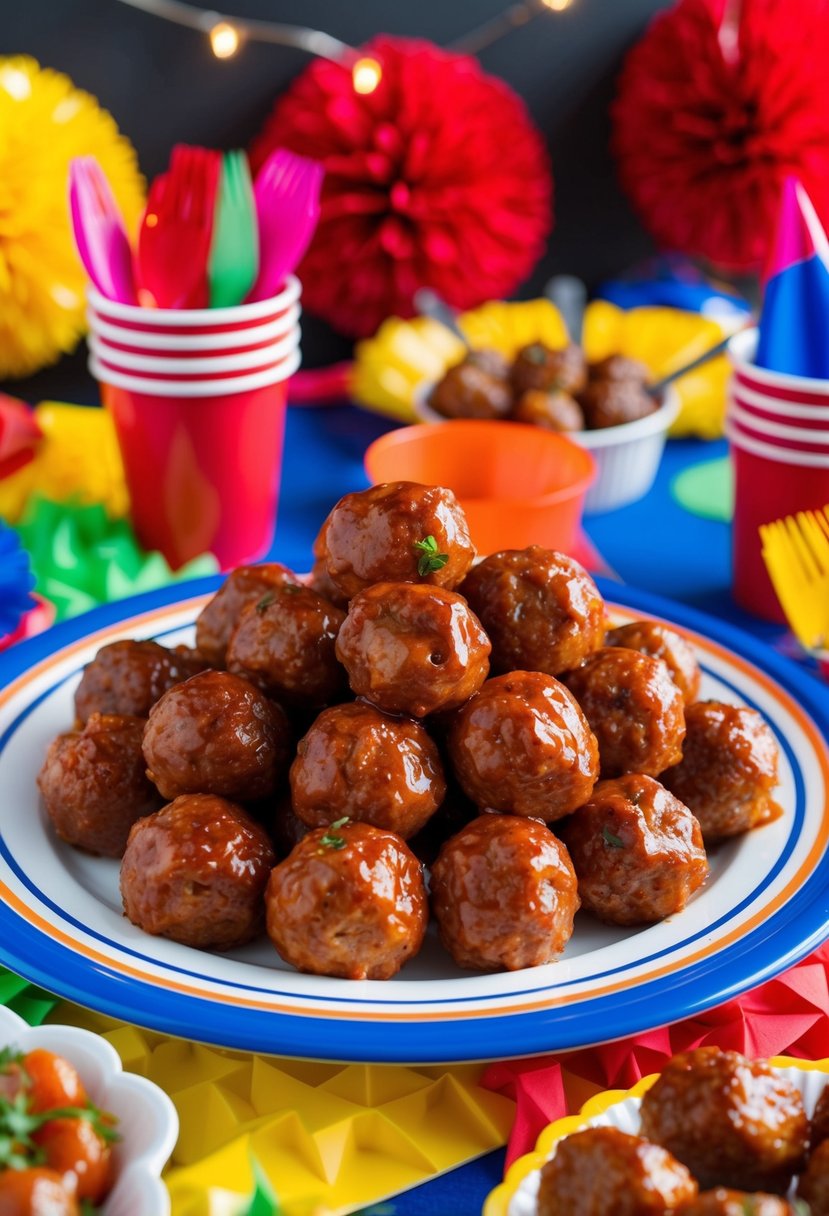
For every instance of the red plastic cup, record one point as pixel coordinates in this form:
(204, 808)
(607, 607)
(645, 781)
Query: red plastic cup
(769, 482)
(202, 459)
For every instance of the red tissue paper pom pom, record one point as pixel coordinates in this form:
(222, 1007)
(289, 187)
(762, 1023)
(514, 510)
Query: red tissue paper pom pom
(436, 179)
(718, 103)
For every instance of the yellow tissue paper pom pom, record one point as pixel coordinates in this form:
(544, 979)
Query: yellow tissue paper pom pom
(78, 459)
(45, 122)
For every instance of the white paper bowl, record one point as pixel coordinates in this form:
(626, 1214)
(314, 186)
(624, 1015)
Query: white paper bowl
(147, 1119)
(627, 457)
(517, 1195)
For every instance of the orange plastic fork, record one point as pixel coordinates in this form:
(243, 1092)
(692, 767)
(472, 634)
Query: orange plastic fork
(174, 240)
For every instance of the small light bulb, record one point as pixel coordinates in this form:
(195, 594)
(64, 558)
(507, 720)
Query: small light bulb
(558, 6)
(366, 74)
(224, 40)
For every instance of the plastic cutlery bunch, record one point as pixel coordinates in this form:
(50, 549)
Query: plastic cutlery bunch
(209, 236)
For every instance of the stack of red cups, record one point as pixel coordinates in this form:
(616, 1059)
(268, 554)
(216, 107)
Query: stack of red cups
(198, 400)
(778, 428)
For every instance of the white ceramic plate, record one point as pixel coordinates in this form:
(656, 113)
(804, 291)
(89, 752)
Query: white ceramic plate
(765, 906)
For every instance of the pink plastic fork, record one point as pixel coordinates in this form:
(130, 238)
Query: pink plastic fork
(100, 236)
(287, 194)
(175, 236)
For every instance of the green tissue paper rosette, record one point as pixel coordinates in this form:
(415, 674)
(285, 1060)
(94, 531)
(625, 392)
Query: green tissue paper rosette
(28, 1002)
(82, 558)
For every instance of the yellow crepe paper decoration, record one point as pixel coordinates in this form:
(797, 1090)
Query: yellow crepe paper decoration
(78, 459)
(403, 356)
(45, 122)
(332, 1138)
(498, 1201)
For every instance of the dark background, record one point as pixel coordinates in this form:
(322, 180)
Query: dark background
(163, 85)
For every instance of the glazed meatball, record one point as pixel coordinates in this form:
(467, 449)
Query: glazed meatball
(284, 644)
(722, 1202)
(504, 894)
(620, 368)
(472, 390)
(734, 1122)
(129, 677)
(94, 784)
(813, 1186)
(634, 708)
(554, 410)
(728, 769)
(219, 617)
(613, 402)
(359, 762)
(604, 1172)
(660, 642)
(538, 366)
(349, 901)
(400, 532)
(196, 872)
(820, 1120)
(637, 851)
(541, 609)
(413, 649)
(216, 734)
(523, 746)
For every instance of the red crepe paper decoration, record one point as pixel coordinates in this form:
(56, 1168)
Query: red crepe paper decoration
(718, 103)
(436, 179)
(788, 1015)
(19, 435)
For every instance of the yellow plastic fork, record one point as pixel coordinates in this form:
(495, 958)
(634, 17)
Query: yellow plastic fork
(796, 553)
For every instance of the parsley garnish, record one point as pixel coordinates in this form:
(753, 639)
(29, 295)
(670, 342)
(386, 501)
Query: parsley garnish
(265, 602)
(612, 839)
(331, 841)
(430, 560)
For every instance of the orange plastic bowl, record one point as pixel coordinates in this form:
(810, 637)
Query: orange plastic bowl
(518, 485)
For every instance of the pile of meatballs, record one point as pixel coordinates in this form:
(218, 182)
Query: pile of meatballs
(326, 740)
(554, 389)
(721, 1135)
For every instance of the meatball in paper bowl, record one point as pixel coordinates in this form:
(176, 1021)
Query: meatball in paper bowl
(626, 455)
(744, 1139)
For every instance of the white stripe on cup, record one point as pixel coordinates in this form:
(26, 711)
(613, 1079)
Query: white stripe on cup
(772, 405)
(222, 339)
(790, 456)
(777, 430)
(184, 317)
(195, 388)
(263, 356)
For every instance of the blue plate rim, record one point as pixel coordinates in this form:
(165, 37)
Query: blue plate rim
(789, 935)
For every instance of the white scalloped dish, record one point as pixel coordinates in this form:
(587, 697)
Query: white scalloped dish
(147, 1119)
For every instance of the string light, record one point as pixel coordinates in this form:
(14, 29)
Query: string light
(366, 75)
(227, 34)
(224, 40)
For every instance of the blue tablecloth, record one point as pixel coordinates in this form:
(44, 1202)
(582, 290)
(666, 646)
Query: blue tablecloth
(654, 544)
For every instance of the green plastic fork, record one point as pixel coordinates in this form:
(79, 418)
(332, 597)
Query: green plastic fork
(234, 252)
